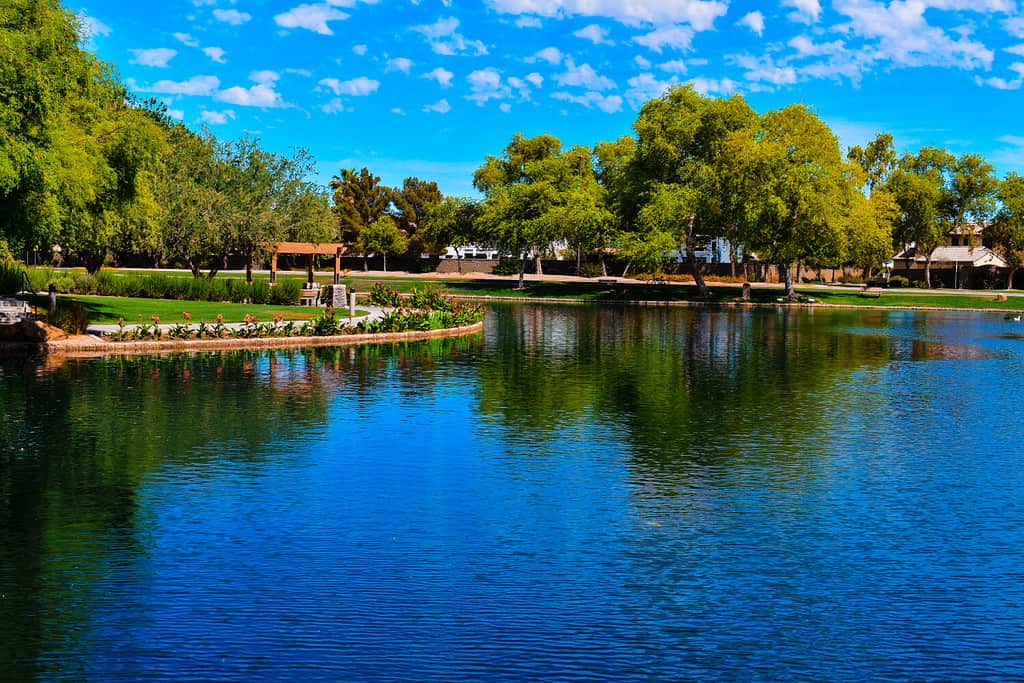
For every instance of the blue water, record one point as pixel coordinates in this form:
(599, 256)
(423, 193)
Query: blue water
(579, 494)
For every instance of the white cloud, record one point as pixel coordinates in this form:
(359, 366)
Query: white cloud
(92, 27)
(311, 17)
(903, 36)
(606, 103)
(442, 75)
(598, 35)
(1015, 50)
(505, 107)
(357, 87)
(260, 95)
(583, 76)
(535, 78)
(232, 16)
(754, 21)
(215, 53)
(672, 37)
(528, 22)
(186, 39)
(700, 14)
(1003, 83)
(551, 55)
(359, 49)
(217, 118)
(265, 77)
(764, 70)
(486, 84)
(439, 107)
(714, 86)
(306, 73)
(398, 111)
(402, 64)
(641, 62)
(333, 107)
(1014, 26)
(646, 86)
(197, 85)
(178, 114)
(158, 57)
(444, 38)
(805, 11)
(675, 66)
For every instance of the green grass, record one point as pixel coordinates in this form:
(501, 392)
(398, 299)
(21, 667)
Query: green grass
(107, 309)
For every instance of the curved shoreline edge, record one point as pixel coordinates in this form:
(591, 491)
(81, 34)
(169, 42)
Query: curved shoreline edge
(724, 304)
(87, 347)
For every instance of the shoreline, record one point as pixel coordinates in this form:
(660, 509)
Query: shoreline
(88, 346)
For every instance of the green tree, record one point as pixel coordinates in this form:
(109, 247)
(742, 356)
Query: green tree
(359, 201)
(791, 178)
(520, 187)
(682, 143)
(877, 160)
(382, 237)
(1006, 232)
(452, 223)
(413, 201)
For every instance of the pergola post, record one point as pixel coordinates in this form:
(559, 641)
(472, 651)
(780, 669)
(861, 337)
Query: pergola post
(273, 268)
(337, 266)
(309, 270)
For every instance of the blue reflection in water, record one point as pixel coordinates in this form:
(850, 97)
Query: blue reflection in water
(586, 494)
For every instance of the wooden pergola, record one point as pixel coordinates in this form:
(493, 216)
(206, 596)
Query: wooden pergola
(312, 249)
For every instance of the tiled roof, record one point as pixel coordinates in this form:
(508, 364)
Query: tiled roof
(976, 256)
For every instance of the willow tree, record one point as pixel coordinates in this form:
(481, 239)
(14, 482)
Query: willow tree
(519, 188)
(789, 177)
(682, 143)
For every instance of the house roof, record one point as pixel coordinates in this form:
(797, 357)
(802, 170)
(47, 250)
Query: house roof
(975, 256)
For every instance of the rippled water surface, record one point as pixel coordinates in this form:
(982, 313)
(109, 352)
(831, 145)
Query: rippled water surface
(578, 494)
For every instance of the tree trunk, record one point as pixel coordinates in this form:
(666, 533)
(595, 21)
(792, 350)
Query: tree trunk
(787, 279)
(366, 263)
(604, 266)
(540, 268)
(928, 271)
(691, 256)
(195, 266)
(458, 260)
(626, 269)
(93, 263)
(522, 271)
(579, 265)
(732, 260)
(1009, 279)
(799, 271)
(385, 255)
(248, 270)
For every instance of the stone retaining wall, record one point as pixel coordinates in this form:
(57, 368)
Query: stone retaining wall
(94, 346)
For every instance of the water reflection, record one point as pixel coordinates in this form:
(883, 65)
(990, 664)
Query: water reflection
(583, 493)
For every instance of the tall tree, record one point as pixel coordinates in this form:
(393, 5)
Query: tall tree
(413, 201)
(877, 160)
(359, 200)
(452, 223)
(382, 237)
(681, 143)
(1006, 232)
(791, 176)
(520, 187)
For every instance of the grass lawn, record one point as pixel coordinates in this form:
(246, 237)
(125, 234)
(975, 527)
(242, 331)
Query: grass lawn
(107, 309)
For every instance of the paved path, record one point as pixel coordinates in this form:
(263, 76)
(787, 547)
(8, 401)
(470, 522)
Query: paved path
(373, 313)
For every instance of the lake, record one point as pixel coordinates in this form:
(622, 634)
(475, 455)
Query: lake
(580, 493)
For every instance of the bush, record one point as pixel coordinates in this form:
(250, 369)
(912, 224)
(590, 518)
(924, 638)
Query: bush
(899, 281)
(72, 318)
(919, 284)
(286, 293)
(507, 266)
(260, 293)
(591, 270)
(382, 295)
(429, 298)
(12, 278)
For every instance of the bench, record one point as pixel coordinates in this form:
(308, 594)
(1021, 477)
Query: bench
(607, 280)
(310, 296)
(873, 292)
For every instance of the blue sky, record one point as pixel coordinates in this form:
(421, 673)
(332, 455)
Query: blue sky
(430, 87)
